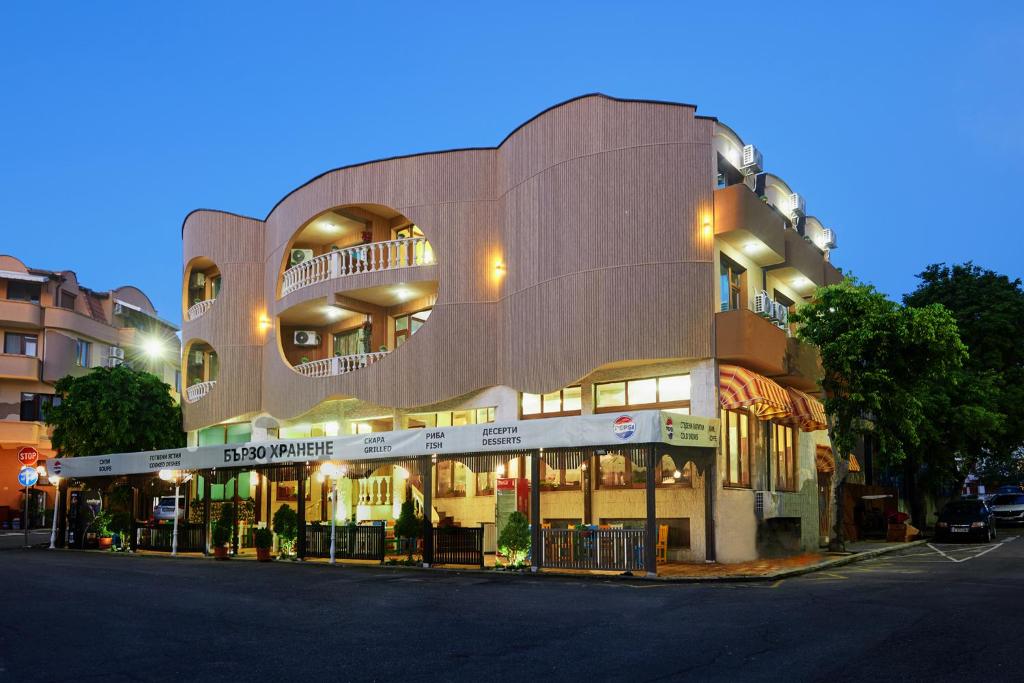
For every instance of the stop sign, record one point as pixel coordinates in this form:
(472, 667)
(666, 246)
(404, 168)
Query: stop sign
(27, 456)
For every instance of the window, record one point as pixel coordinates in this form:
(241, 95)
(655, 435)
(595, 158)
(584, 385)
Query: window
(177, 381)
(559, 479)
(485, 483)
(20, 344)
(733, 281)
(67, 300)
(782, 443)
(451, 479)
(671, 473)
(736, 447)
(348, 343)
(82, 352)
(617, 471)
(568, 401)
(34, 406)
(18, 290)
(218, 435)
(422, 252)
(663, 392)
(453, 418)
(407, 325)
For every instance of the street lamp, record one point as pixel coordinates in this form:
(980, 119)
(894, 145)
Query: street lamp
(331, 471)
(55, 480)
(179, 478)
(153, 347)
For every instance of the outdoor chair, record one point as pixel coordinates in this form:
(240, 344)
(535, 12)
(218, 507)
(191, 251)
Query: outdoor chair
(661, 550)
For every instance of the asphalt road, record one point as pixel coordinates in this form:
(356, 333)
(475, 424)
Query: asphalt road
(929, 613)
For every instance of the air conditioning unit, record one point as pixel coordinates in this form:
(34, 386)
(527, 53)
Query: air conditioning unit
(752, 160)
(114, 362)
(118, 309)
(116, 352)
(300, 256)
(198, 279)
(828, 238)
(195, 358)
(780, 314)
(306, 338)
(797, 205)
(767, 504)
(763, 304)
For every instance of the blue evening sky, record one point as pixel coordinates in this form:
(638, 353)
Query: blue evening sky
(900, 122)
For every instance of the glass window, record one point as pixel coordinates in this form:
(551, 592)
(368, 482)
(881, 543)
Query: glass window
(783, 450)
(20, 344)
(406, 325)
(558, 403)
(617, 470)
(451, 479)
(348, 343)
(675, 388)
(642, 391)
(34, 406)
(610, 395)
(82, 352)
(671, 473)
(736, 447)
(731, 282)
(557, 479)
(67, 300)
(18, 290)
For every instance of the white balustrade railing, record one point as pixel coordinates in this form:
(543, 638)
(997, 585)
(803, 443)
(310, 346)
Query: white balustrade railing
(363, 258)
(338, 365)
(375, 490)
(197, 309)
(197, 391)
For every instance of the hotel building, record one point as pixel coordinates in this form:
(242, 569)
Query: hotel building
(52, 326)
(609, 261)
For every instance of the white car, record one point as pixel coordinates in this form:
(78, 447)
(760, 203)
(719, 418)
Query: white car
(1008, 508)
(163, 508)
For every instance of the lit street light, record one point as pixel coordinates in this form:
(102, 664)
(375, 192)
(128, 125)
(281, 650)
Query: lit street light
(332, 472)
(153, 347)
(55, 480)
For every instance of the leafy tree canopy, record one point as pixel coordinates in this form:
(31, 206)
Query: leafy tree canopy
(114, 410)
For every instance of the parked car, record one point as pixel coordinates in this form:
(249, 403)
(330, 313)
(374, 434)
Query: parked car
(163, 509)
(1009, 508)
(966, 519)
(1010, 488)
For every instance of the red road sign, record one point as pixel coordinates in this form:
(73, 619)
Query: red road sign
(28, 456)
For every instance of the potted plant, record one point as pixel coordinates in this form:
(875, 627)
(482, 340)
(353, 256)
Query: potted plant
(101, 525)
(222, 532)
(514, 541)
(263, 538)
(121, 526)
(409, 526)
(286, 526)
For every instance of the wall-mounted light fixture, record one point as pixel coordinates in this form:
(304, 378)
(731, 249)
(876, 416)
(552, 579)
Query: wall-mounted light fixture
(499, 267)
(265, 322)
(706, 225)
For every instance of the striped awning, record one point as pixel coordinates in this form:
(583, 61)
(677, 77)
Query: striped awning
(808, 413)
(854, 463)
(824, 460)
(740, 388)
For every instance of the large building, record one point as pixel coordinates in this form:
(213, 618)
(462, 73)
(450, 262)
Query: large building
(54, 326)
(607, 256)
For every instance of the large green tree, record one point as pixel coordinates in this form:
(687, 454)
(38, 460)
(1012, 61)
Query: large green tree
(879, 361)
(984, 429)
(114, 410)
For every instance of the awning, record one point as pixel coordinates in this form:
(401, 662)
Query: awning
(740, 388)
(854, 463)
(15, 275)
(808, 413)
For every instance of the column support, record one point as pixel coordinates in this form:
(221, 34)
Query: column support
(427, 467)
(651, 535)
(300, 542)
(535, 549)
(710, 491)
(207, 489)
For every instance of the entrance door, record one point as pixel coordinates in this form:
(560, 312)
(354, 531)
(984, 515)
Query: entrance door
(824, 505)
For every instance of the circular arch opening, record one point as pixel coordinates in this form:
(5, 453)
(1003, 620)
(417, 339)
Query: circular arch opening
(200, 287)
(200, 369)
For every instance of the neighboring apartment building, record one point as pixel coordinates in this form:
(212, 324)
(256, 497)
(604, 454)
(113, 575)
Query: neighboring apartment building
(52, 326)
(609, 286)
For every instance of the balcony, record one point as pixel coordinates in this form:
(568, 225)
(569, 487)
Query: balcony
(198, 391)
(19, 367)
(749, 225)
(338, 365)
(751, 341)
(198, 309)
(22, 314)
(372, 257)
(14, 432)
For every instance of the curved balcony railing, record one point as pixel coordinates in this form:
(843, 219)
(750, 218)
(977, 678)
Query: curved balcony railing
(198, 309)
(338, 365)
(364, 258)
(198, 391)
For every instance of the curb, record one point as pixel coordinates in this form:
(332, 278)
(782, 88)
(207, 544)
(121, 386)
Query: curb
(555, 574)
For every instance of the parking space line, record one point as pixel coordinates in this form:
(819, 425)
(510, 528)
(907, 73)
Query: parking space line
(964, 559)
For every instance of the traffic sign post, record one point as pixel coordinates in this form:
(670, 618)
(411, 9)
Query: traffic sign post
(28, 456)
(27, 477)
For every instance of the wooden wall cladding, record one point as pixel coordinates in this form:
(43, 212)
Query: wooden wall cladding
(594, 208)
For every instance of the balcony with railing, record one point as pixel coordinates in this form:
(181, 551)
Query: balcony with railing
(198, 309)
(338, 365)
(201, 368)
(404, 252)
(199, 390)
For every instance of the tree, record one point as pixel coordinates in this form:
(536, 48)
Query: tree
(984, 431)
(409, 525)
(514, 541)
(879, 362)
(114, 410)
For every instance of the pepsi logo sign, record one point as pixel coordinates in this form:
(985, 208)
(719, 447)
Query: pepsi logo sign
(56, 466)
(624, 427)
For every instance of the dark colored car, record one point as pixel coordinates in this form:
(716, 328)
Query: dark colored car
(966, 520)
(1008, 508)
